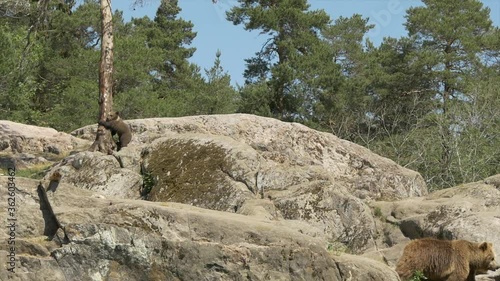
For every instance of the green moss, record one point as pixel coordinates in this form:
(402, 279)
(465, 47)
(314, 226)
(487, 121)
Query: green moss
(377, 212)
(33, 172)
(190, 172)
(337, 248)
(148, 182)
(418, 276)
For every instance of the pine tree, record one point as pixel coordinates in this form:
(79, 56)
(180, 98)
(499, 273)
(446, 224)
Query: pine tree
(172, 35)
(219, 96)
(290, 70)
(452, 39)
(344, 110)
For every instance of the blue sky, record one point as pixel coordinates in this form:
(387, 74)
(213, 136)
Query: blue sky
(215, 32)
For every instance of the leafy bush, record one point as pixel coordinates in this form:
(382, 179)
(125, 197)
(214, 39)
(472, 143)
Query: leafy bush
(418, 276)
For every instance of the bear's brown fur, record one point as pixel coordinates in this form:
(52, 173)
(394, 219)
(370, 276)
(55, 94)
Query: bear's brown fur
(446, 260)
(115, 124)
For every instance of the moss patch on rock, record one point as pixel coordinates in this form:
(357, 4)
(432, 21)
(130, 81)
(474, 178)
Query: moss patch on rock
(192, 172)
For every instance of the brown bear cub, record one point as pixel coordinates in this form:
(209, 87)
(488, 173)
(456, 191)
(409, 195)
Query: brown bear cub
(446, 260)
(115, 124)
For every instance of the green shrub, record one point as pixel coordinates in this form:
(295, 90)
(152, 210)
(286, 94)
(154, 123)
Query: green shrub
(148, 181)
(418, 276)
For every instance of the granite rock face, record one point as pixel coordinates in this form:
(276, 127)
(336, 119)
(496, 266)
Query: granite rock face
(25, 146)
(219, 162)
(292, 147)
(228, 197)
(224, 197)
(21, 138)
(121, 239)
(470, 211)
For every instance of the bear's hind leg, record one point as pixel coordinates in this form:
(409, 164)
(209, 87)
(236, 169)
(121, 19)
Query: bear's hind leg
(458, 276)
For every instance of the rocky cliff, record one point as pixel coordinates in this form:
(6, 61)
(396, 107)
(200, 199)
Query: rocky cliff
(230, 197)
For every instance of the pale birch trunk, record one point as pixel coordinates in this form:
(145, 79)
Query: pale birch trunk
(104, 142)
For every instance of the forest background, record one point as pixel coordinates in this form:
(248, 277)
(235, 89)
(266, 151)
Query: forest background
(428, 100)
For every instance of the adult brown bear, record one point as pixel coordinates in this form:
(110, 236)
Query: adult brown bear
(446, 260)
(115, 124)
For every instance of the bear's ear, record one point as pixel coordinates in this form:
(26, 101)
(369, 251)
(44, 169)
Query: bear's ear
(483, 246)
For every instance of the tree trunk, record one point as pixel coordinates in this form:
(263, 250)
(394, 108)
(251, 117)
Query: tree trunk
(104, 142)
(446, 135)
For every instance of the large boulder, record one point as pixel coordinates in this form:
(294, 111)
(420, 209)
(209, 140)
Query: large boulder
(470, 211)
(105, 174)
(232, 197)
(290, 145)
(118, 239)
(21, 138)
(220, 162)
(24, 146)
